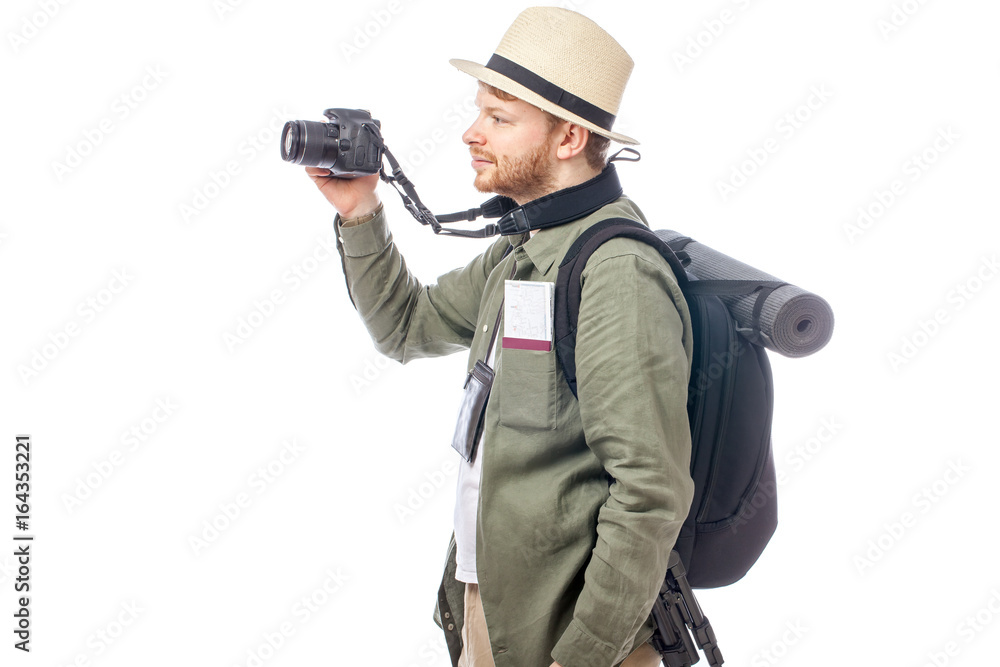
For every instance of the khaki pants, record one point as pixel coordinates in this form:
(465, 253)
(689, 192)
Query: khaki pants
(476, 651)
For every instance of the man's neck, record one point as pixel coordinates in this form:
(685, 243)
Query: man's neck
(567, 178)
(570, 201)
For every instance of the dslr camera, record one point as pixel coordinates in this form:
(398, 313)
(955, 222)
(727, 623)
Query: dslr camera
(349, 145)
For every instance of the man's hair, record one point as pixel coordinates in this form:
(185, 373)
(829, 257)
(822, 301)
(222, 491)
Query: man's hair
(596, 150)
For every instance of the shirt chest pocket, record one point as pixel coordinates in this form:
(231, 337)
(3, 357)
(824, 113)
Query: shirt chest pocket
(528, 393)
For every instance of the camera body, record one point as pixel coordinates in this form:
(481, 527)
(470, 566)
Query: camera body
(349, 145)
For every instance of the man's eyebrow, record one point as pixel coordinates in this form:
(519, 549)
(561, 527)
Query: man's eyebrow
(491, 110)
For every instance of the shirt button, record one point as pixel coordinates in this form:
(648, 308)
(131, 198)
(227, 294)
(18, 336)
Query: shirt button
(447, 614)
(486, 328)
(451, 626)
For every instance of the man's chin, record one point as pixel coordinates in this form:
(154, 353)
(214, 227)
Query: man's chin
(483, 184)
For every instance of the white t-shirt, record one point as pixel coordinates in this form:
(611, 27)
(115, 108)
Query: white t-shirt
(466, 506)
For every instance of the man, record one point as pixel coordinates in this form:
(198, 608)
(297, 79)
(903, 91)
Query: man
(566, 509)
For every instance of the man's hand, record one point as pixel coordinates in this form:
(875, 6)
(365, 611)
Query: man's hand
(352, 197)
(555, 664)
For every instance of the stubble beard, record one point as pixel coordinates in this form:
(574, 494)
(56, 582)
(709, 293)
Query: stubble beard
(521, 178)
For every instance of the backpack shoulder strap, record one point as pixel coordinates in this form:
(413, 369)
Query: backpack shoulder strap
(567, 298)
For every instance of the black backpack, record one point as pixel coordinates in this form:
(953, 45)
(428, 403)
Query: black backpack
(730, 401)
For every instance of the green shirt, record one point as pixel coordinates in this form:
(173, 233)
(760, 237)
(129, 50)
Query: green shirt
(568, 565)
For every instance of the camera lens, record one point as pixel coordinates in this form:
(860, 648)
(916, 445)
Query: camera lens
(310, 144)
(290, 145)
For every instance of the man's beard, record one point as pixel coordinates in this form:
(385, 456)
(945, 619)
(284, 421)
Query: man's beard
(522, 178)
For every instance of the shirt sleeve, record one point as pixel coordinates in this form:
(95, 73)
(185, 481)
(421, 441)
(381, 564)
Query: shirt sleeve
(406, 319)
(633, 356)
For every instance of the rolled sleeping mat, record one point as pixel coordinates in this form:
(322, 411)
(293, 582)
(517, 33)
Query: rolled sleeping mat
(793, 322)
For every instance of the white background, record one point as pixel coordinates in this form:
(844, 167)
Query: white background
(866, 569)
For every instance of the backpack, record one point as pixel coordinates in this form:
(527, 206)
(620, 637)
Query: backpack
(730, 402)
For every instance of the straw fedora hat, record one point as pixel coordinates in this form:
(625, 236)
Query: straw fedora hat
(563, 63)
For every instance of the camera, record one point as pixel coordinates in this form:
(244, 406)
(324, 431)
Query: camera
(349, 145)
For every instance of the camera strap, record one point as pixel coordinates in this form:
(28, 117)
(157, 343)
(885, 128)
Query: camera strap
(554, 209)
(478, 384)
(422, 214)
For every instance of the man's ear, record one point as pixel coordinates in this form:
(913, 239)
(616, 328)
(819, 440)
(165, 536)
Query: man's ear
(573, 140)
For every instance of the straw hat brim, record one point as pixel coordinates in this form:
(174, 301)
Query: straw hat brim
(508, 85)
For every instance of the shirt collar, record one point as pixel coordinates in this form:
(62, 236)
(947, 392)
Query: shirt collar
(551, 244)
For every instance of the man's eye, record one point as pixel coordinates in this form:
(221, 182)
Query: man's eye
(498, 120)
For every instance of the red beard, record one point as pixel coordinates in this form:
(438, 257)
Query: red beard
(523, 178)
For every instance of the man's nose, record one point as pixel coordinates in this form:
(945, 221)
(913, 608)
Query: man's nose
(473, 135)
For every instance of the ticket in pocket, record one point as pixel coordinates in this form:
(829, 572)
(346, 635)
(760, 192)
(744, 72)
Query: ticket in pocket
(528, 310)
